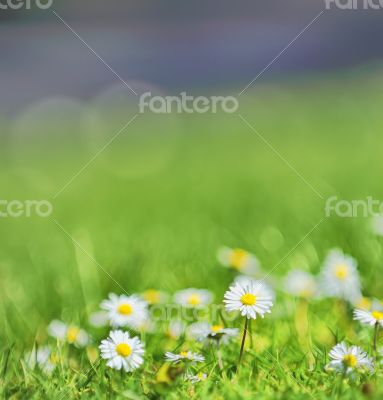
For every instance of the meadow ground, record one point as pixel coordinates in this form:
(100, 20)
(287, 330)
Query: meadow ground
(151, 212)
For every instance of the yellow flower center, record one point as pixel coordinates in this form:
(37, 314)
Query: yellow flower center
(171, 334)
(54, 358)
(237, 258)
(364, 303)
(194, 300)
(349, 360)
(341, 271)
(72, 334)
(124, 349)
(152, 296)
(184, 354)
(248, 299)
(306, 292)
(378, 315)
(216, 328)
(125, 309)
(201, 376)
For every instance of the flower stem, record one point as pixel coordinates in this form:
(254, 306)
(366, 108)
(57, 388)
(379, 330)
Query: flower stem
(376, 330)
(219, 355)
(243, 343)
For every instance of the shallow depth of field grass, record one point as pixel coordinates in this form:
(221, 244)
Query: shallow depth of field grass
(152, 211)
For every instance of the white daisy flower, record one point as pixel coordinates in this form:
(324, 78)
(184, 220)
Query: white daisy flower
(200, 377)
(250, 300)
(69, 333)
(43, 358)
(371, 317)
(238, 259)
(202, 331)
(153, 296)
(146, 326)
(193, 298)
(347, 359)
(125, 310)
(377, 224)
(300, 284)
(122, 351)
(245, 280)
(175, 329)
(99, 319)
(183, 356)
(339, 276)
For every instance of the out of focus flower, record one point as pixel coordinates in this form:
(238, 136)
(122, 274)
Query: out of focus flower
(261, 343)
(184, 356)
(99, 319)
(363, 303)
(68, 333)
(146, 326)
(193, 298)
(152, 296)
(347, 359)
(165, 375)
(238, 259)
(300, 284)
(175, 329)
(250, 300)
(377, 224)
(243, 279)
(43, 358)
(122, 351)
(125, 310)
(339, 276)
(202, 331)
(200, 377)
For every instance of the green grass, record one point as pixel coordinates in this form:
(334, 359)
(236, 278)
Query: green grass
(152, 211)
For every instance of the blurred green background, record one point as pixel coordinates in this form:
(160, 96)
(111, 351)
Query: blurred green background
(153, 208)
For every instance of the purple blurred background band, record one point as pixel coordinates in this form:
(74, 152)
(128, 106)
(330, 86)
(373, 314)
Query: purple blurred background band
(175, 45)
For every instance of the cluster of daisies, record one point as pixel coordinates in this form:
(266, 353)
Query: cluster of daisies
(338, 278)
(251, 295)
